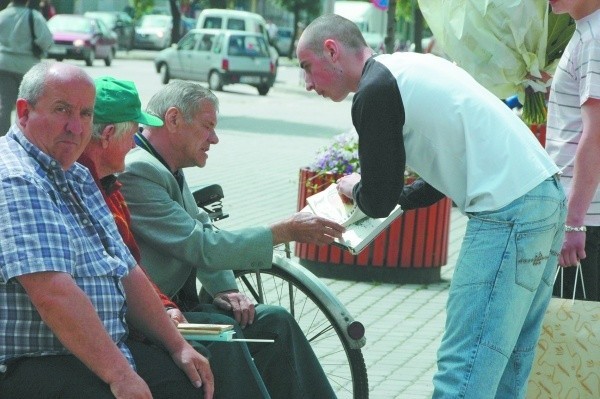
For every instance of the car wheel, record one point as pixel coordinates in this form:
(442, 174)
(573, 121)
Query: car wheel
(263, 90)
(89, 61)
(164, 73)
(215, 82)
(108, 59)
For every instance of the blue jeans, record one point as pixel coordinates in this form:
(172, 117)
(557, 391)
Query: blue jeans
(498, 296)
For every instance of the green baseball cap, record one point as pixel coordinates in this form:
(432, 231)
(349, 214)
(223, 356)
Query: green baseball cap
(118, 101)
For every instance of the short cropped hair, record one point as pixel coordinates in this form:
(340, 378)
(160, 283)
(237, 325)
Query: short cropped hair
(183, 95)
(333, 26)
(120, 128)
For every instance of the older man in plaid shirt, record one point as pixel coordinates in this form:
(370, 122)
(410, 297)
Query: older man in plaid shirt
(69, 287)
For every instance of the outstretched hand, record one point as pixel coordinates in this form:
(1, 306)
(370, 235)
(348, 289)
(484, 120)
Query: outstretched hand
(306, 227)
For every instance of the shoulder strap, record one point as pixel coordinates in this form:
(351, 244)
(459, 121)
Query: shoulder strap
(31, 25)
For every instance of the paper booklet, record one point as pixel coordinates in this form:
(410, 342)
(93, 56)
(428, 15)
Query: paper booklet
(360, 229)
(212, 332)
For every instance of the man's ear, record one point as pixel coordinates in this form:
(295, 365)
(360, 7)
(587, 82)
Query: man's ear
(108, 134)
(23, 109)
(331, 49)
(172, 118)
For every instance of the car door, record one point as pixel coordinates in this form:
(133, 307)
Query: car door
(180, 64)
(203, 57)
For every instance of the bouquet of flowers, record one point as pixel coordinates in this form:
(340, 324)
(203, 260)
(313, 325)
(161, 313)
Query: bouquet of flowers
(509, 47)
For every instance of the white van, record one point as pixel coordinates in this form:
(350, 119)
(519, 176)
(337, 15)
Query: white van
(217, 18)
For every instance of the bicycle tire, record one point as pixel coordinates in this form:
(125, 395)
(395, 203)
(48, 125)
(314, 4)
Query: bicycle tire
(318, 324)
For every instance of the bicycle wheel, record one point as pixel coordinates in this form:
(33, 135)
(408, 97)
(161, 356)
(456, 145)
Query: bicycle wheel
(344, 366)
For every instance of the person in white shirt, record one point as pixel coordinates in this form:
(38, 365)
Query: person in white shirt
(422, 111)
(573, 141)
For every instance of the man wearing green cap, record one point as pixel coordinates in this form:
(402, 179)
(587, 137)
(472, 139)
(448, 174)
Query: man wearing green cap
(117, 112)
(69, 288)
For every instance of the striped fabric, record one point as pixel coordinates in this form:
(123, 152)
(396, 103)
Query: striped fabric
(577, 79)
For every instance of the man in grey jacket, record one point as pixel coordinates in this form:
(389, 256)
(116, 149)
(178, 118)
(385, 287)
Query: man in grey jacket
(178, 243)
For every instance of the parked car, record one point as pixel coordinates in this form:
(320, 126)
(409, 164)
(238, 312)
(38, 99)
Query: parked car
(283, 41)
(81, 38)
(119, 22)
(217, 18)
(153, 31)
(219, 57)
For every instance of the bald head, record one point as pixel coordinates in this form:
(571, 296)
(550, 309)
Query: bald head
(48, 73)
(332, 26)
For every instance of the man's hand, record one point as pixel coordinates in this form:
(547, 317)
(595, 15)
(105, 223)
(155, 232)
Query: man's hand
(345, 184)
(241, 306)
(196, 367)
(176, 316)
(306, 227)
(573, 249)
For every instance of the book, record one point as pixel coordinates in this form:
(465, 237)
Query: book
(189, 328)
(213, 332)
(361, 230)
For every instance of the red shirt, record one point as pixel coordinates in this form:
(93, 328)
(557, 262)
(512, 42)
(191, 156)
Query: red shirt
(110, 189)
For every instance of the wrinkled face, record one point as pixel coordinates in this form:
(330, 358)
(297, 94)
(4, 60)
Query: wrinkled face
(117, 148)
(198, 135)
(60, 124)
(321, 74)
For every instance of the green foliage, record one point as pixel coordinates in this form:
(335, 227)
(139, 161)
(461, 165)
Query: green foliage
(560, 30)
(311, 7)
(142, 7)
(404, 9)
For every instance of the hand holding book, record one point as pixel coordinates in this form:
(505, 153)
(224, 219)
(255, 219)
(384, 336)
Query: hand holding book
(360, 229)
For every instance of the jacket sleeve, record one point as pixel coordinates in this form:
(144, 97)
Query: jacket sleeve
(168, 223)
(419, 194)
(378, 116)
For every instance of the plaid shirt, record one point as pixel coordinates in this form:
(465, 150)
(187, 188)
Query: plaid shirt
(52, 220)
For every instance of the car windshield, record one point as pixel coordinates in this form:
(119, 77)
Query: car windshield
(108, 19)
(62, 23)
(250, 46)
(154, 21)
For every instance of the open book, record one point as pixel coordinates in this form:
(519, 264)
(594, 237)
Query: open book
(360, 229)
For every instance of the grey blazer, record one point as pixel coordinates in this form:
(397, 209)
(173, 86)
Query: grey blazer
(175, 236)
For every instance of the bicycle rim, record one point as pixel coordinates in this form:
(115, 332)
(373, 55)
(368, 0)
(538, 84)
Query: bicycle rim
(344, 366)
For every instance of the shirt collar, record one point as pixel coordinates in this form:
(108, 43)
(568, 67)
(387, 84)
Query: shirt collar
(143, 142)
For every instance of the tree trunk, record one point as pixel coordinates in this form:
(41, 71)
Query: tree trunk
(390, 38)
(176, 30)
(417, 29)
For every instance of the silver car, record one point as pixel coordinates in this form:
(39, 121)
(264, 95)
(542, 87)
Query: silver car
(219, 57)
(153, 31)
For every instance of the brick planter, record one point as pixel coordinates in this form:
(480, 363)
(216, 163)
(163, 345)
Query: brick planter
(411, 250)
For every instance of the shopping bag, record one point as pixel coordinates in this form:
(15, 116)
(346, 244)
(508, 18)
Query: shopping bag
(567, 358)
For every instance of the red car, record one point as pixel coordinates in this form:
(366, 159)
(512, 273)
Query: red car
(81, 38)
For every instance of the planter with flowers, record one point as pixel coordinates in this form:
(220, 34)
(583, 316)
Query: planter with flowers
(411, 250)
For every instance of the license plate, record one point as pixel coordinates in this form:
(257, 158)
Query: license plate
(250, 79)
(58, 50)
